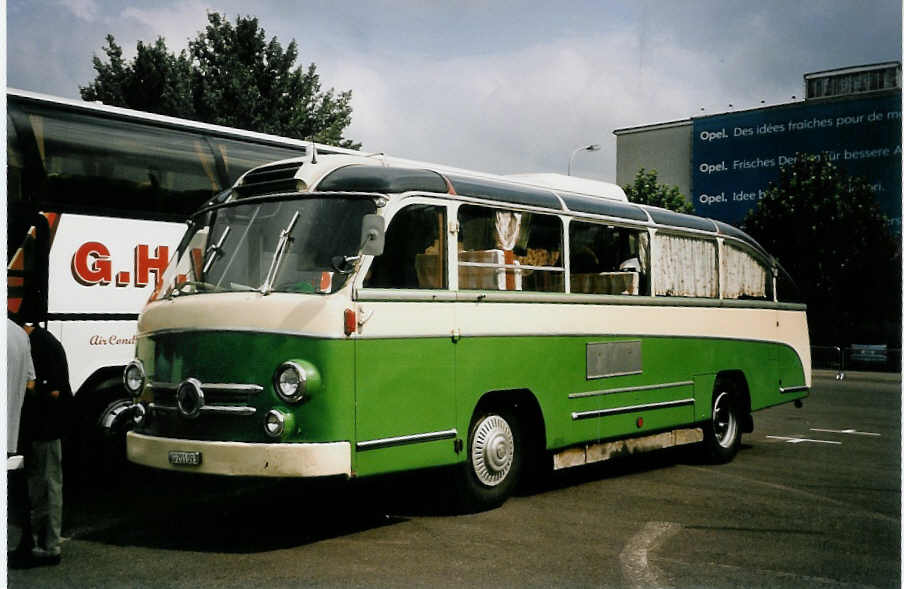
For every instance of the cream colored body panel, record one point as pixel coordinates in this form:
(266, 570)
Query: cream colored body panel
(312, 315)
(322, 316)
(244, 459)
(393, 319)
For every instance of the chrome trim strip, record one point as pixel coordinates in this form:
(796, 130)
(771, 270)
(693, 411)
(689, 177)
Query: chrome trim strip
(786, 390)
(213, 386)
(651, 387)
(403, 440)
(629, 409)
(494, 296)
(510, 266)
(216, 409)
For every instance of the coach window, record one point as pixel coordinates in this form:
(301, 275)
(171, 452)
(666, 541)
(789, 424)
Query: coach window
(415, 252)
(685, 266)
(744, 276)
(123, 168)
(14, 163)
(606, 259)
(509, 250)
(240, 157)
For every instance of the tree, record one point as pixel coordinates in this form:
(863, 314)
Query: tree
(828, 232)
(647, 190)
(230, 75)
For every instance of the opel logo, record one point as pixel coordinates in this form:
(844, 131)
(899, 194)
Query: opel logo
(190, 398)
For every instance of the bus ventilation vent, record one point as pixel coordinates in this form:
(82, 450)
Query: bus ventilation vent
(275, 179)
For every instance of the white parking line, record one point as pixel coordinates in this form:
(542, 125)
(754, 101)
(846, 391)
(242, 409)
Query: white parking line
(798, 440)
(843, 431)
(635, 558)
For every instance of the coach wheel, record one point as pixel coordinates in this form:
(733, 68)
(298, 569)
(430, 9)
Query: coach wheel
(723, 433)
(494, 461)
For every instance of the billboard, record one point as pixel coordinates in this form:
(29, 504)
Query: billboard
(736, 155)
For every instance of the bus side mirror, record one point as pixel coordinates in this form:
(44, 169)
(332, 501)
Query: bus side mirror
(373, 235)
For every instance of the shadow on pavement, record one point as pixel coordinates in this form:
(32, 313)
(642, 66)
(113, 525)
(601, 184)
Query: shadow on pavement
(175, 511)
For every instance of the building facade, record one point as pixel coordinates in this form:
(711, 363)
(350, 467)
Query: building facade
(724, 162)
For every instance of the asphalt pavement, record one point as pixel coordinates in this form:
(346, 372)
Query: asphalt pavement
(813, 499)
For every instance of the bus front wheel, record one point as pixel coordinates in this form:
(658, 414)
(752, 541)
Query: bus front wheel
(722, 434)
(494, 462)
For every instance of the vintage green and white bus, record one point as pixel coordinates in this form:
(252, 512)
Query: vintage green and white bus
(351, 315)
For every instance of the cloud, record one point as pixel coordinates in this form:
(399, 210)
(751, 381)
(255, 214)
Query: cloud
(176, 24)
(86, 10)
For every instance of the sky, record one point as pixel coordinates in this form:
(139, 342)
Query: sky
(496, 86)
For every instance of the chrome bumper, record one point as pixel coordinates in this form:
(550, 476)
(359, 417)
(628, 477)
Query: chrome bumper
(242, 458)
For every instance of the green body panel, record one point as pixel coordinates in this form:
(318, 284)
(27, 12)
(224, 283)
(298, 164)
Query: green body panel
(252, 358)
(405, 387)
(383, 389)
(553, 368)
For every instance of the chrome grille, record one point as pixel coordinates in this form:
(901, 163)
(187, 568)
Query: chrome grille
(214, 393)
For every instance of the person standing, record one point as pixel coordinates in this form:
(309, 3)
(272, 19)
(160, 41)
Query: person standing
(45, 415)
(20, 373)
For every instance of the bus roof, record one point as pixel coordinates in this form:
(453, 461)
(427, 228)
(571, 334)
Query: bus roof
(165, 120)
(387, 176)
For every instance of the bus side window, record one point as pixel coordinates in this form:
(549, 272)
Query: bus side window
(14, 163)
(744, 276)
(608, 260)
(685, 266)
(509, 250)
(415, 251)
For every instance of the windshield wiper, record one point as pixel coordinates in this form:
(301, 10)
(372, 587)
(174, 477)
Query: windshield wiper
(215, 250)
(198, 285)
(284, 240)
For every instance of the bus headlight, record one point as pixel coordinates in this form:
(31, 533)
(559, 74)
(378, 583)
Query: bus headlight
(293, 380)
(133, 378)
(275, 423)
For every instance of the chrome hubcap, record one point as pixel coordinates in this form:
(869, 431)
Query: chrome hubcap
(725, 426)
(492, 450)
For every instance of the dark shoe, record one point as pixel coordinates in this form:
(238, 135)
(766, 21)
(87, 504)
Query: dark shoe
(18, 559)
(48, 560)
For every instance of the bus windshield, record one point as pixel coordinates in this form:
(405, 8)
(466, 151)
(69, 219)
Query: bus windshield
(305, 245)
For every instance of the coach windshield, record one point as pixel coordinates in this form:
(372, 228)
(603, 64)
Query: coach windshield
(305, 245)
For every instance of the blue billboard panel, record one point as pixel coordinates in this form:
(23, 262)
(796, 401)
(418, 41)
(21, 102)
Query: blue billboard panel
(736, 155)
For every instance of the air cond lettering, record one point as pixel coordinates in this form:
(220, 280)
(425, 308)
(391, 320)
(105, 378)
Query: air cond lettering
(92, 265)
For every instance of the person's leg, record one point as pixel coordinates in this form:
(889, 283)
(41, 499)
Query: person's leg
(36, 469)
(54, 523)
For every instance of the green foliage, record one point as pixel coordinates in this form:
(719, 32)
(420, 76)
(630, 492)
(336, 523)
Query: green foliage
(827, 231)
(647, 190)
(230, 75)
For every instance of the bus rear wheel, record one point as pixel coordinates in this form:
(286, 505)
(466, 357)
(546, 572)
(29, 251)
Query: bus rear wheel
(722, 434)
(494, 462)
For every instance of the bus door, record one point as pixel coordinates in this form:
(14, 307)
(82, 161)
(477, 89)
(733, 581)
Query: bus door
(405, 353)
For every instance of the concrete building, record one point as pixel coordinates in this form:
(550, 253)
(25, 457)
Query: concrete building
(724, 162)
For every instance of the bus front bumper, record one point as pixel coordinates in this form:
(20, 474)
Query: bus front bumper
(240, 458)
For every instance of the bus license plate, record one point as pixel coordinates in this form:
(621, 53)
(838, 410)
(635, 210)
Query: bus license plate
(178, 458)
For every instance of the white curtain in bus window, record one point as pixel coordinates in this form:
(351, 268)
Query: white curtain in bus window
(744, 275)
(684, 266)
(508, 250)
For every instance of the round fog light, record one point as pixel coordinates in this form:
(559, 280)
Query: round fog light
(133, 378)
(275, 424)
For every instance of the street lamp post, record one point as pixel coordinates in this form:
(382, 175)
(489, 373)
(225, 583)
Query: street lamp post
(591, 147)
